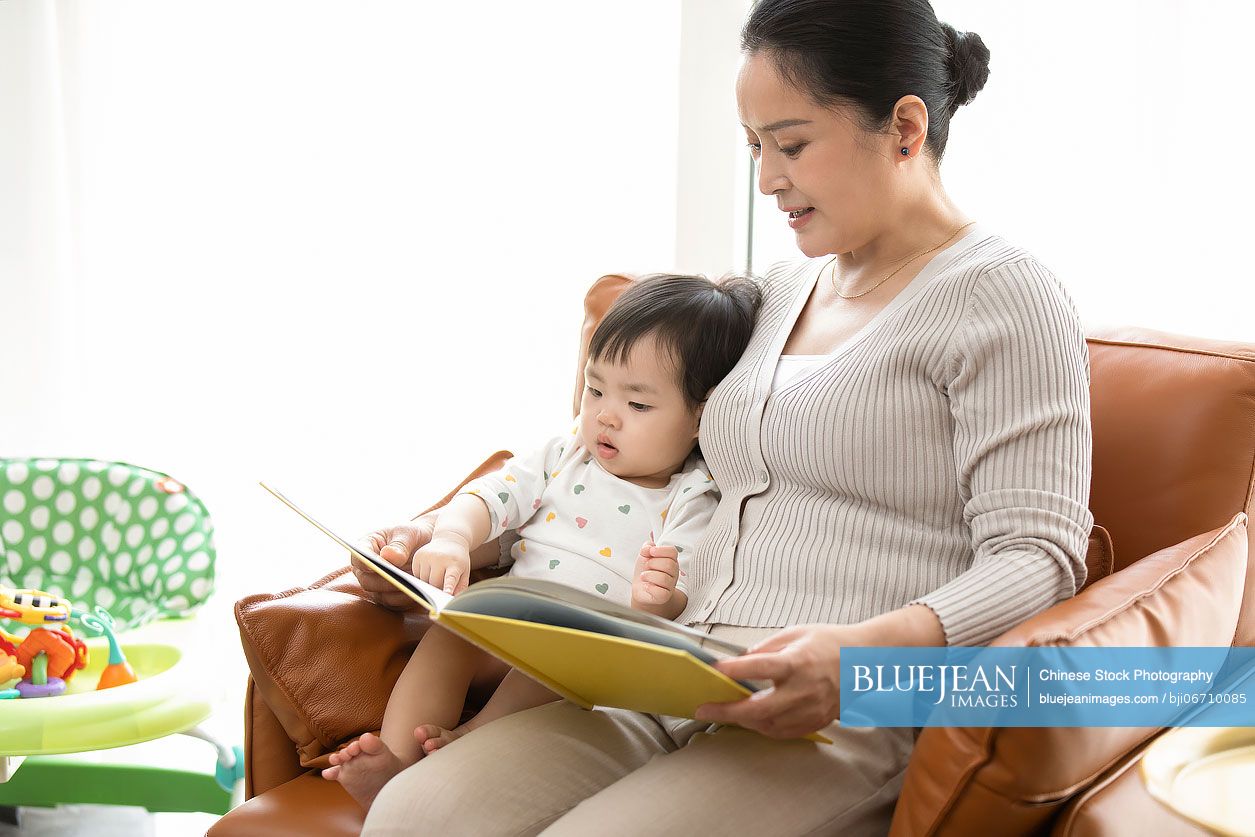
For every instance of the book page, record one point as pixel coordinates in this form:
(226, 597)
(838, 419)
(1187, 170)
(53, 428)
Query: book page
(512, 604)
(569, 599)
(420, 591)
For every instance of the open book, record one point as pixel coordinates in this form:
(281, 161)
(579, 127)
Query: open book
(591, 651)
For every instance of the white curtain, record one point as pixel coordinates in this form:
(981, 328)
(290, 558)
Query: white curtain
(341, 247)
(37, 240)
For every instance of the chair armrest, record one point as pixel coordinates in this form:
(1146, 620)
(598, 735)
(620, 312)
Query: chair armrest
(270, 755)
(304, 805)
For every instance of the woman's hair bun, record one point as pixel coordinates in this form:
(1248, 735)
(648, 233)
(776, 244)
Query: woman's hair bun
(969, 65)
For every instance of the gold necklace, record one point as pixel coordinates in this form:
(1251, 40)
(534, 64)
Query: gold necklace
(833, 261)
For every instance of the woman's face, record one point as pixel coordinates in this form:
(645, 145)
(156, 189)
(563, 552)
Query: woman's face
(818, 162)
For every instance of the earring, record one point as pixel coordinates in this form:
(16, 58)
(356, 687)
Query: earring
(906, 152)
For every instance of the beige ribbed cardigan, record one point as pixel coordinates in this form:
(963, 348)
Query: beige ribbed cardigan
(940, 455)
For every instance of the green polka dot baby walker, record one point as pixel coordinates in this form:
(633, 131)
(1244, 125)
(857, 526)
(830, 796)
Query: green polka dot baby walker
(106, 536)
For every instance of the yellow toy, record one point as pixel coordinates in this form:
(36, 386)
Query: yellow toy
(9, 668)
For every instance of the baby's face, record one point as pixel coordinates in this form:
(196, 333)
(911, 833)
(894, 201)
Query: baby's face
(634, 417)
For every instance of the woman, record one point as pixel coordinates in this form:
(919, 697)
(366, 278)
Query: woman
(903, 450)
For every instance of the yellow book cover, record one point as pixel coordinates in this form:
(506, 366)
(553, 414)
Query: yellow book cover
(590, 651)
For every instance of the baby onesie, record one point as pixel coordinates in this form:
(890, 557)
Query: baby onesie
(580, 525)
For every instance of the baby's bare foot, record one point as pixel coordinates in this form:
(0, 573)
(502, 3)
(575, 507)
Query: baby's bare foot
(363, 768)
(431, 737)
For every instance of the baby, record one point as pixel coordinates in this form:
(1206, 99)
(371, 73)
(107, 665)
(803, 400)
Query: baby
(611, 508)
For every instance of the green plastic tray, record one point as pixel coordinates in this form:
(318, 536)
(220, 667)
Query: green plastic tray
(162, 702)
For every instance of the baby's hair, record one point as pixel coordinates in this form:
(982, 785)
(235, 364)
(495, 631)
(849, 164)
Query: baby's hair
(704, 326)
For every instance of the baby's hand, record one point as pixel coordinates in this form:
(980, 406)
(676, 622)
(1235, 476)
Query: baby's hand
(655, 577)
(444, 563)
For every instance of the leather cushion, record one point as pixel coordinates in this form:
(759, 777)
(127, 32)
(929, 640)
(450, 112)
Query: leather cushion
(329, 621)
(1174, 441)
(1013, 780)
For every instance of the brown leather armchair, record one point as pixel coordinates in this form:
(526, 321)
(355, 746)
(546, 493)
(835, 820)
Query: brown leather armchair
(1174, 458)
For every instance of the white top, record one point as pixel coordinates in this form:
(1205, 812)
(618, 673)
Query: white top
(580, 525)
(941, 455)
(790, 366)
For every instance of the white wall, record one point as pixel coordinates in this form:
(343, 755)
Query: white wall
(341, 247)
(1112, 140)
(710, 204)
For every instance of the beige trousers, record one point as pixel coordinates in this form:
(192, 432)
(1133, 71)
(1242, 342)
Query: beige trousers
(566, 772)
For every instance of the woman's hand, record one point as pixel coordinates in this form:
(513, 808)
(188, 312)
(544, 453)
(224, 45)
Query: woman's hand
(804, 663)
(396, 545)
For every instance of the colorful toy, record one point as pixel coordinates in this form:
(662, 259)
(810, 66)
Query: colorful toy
(119, 671)
(46, 656)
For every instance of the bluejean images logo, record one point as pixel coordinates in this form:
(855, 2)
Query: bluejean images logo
(954, 685)
(1040, 687)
